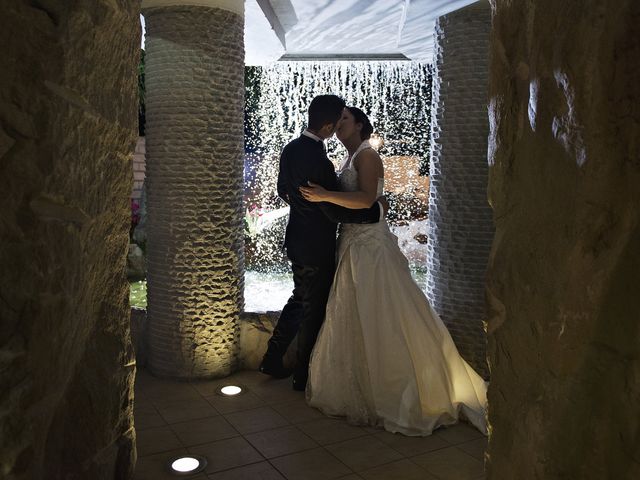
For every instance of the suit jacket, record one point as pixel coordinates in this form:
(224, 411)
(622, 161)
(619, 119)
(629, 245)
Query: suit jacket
(310, 237)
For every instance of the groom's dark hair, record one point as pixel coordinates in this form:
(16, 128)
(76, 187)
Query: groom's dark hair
(325, 109)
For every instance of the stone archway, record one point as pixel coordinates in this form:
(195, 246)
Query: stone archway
(563, 332)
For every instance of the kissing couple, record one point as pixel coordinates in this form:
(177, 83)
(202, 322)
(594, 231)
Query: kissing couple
(370, 347)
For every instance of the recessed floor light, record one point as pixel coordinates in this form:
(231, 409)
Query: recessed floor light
(187, 465)
(230, 390)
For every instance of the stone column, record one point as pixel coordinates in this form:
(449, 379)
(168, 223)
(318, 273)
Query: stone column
(460, 219)
(194, 140)
(564, 274)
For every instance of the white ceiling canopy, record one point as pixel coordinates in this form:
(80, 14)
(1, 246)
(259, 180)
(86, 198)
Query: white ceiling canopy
(342, 29)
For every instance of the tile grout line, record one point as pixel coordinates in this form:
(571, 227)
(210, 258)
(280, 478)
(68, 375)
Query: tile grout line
(272, 405)
(308, 450)
(233, 468)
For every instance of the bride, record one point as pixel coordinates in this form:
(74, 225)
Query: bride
(383, 356)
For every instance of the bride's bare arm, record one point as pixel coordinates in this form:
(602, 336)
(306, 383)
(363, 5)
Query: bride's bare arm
(369, 166)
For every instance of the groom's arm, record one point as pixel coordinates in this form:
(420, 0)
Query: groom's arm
(282, 184)
(326, 176)
(338, 214)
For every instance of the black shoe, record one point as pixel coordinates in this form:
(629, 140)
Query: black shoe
(299, 384)
(300, 379)
(274, 367)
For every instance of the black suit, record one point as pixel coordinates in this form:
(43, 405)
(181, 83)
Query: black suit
(310, 241)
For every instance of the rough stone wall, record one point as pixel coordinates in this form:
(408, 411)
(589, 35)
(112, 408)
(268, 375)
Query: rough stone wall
(460, 219)
(195, 145)
(256, 329)
(564, 276)
(67, 131)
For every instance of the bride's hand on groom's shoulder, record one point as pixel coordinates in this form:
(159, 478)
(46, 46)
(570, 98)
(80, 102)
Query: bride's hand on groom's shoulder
(313, 192)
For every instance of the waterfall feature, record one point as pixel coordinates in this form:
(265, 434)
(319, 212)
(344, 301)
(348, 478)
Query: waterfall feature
(397, 98)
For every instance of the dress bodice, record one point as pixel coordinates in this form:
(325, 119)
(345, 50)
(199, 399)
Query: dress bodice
(348, 175)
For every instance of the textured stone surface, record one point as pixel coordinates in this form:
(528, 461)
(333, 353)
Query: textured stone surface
(460, 219)
(255, 332)
(564, 276)
(194, 146)
(67, 131)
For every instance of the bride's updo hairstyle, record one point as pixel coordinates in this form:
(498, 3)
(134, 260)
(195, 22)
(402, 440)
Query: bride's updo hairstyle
(361, 117)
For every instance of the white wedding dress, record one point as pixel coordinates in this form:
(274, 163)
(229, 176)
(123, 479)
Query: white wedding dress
(383, 356)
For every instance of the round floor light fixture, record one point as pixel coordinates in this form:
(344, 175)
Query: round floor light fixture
(187, 465)
(230, 390)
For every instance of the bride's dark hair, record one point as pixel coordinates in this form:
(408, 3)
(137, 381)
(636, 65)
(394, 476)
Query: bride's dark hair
(361, 117)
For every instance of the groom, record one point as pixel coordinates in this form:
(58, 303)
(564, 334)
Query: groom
(310, 239)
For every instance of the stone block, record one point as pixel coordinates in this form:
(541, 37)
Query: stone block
(564, 329)
(68, 112)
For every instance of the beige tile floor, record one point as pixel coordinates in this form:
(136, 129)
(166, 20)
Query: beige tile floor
(269, 433)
